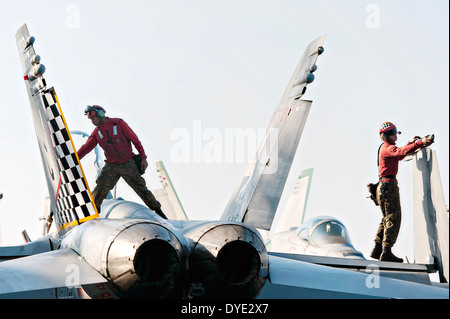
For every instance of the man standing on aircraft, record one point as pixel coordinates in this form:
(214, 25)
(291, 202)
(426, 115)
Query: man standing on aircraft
(388, 192)
(115, 138)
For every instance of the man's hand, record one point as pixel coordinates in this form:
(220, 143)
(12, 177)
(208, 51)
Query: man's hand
(428, 140)
(415, 138)
(49, 223)
(144, 164)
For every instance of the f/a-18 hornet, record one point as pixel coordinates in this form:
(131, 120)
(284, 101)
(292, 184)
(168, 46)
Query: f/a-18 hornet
(127, 250)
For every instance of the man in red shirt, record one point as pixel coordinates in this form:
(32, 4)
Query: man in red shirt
(388, 192)
(115, 137)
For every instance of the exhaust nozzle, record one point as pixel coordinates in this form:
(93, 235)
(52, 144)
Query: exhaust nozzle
(228, 261)
(144, 261)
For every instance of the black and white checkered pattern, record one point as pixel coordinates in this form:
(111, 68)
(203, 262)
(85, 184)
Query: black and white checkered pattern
(74, 200)
(385, 126)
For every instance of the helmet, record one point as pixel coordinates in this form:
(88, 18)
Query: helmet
(94, 110)
(388, 128)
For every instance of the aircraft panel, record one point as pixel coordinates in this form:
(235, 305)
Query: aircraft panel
(431, 223)
(53, 269)
(291, 279)
(265, 199)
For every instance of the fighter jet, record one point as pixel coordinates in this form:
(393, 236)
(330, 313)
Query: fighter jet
(325, 240)
(321, 235)
(127, 251)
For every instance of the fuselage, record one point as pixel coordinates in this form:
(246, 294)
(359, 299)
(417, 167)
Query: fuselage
(143, 255)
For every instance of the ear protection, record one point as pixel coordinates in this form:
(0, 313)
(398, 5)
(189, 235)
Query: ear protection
(94, 110)
(100, 111)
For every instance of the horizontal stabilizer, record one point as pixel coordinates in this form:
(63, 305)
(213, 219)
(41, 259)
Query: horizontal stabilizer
(59, 268)
(302, 280)
(38, 246)
(410, 272)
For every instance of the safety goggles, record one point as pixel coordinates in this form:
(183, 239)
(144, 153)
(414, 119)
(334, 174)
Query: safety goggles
(391, 132)
(90, 111)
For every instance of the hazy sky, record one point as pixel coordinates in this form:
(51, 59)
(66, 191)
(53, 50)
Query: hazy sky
(214, 66)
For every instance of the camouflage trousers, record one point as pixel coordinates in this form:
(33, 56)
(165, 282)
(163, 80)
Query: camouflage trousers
(109, 176)
(388, 196)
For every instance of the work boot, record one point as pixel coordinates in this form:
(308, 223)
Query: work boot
(160, 213)
(387, 255)
(376, 252)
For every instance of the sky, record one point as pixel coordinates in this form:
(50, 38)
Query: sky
(185, 73)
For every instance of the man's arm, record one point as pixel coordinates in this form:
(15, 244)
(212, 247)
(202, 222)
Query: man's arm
(401, 152)
(88, 146)
(129, 133)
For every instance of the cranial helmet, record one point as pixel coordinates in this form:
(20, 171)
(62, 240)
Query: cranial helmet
(94, 110)
(389, 128)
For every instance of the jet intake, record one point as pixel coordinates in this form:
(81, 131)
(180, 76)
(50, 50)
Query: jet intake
(228, 261)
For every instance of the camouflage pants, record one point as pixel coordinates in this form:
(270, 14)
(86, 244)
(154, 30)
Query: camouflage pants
(389, 198)
(109, 176)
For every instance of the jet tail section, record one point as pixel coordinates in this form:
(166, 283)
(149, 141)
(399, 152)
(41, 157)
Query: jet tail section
(431, 220)
(266, 196)
(71, 199)
(293, 214)
(168, 197)
(256, 197)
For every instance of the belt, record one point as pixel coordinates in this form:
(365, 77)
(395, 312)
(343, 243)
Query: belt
(388, 177)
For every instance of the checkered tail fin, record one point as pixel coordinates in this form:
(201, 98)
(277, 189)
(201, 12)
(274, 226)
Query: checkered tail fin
(71, 200)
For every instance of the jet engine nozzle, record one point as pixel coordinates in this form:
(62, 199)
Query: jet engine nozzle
(228, 261)
(144, 260)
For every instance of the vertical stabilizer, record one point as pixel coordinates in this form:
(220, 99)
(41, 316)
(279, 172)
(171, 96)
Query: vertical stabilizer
(293, 214)
(168, 197)
(273, 171)
(431, 222)
(70, 198)
(256, 197)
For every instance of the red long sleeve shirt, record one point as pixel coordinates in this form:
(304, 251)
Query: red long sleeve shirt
(115, 138)
(390, 155)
